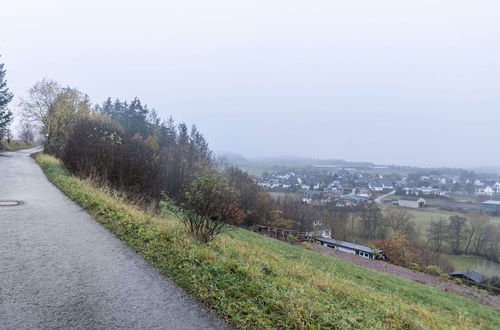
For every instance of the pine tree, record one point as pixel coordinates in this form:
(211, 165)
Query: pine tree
(5, 98)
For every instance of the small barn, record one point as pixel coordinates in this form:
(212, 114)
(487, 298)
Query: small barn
(360, 250)
(469, 276)
(412, 202)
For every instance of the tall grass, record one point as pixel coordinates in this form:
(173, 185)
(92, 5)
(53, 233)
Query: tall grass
(257, 282)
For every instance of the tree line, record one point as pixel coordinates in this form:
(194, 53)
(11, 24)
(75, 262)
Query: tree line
(127, 146)
(472, 233)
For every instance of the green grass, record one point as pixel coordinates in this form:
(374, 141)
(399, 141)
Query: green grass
(257, 282)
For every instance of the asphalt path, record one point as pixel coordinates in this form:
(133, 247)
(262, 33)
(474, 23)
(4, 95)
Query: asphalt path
(59, 269)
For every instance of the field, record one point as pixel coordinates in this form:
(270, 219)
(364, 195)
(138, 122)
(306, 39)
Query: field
(423, 217)
(257, 282)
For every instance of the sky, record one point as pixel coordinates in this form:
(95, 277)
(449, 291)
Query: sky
(392, 82)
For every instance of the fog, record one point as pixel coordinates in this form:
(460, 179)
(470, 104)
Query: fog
(383, 81)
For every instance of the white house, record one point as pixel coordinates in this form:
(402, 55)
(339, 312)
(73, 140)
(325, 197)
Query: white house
(485, 191)
(412, 202)
(478, 182)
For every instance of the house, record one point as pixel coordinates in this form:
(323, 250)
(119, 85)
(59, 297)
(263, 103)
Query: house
(412, 202)
(363, 192)
(469, 276)
(349, 200)
(379, 186)
(387, 185)
(360, 250)
(484, 190)
(376, 186)
(491, 206)
(312, 196)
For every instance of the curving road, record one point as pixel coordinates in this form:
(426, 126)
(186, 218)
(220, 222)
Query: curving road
(59, 269)
(380, 200)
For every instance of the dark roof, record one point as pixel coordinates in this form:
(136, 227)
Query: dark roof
(347, 245)
(354, 198)
(312, 193)
(471, 274)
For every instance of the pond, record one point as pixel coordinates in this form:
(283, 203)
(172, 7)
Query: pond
(480, 264)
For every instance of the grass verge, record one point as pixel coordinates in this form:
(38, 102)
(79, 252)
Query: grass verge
(257, 282)
(15, 146)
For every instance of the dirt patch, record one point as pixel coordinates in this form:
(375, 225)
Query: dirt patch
(427, 279)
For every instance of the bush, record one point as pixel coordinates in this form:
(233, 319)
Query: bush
(433, 270)
(293, 239)
(210, 204)
(415, 267)
(445, 276)
(458, 281)
(91, 148)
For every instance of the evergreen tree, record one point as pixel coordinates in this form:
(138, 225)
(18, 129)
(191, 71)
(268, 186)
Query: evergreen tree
(5, 98)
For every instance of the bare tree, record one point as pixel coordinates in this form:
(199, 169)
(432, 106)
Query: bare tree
(36, 105)
(26, 134)
(456, 233)
(437, 233)
(398, 219)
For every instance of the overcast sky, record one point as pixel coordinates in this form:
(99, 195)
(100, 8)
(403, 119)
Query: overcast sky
(384, 81)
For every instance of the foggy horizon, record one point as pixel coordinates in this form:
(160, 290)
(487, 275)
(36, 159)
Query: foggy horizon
(389, 83)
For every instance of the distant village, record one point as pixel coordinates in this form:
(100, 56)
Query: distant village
(319, 185)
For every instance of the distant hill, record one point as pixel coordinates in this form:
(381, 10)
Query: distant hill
(486, 169)
(260, 164)
(297, 161)
(234, 158)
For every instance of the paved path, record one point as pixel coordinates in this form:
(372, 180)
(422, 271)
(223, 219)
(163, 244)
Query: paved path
(380, 200)
(59, 269)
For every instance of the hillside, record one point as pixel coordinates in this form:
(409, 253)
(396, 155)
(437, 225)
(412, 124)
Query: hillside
(258, 282)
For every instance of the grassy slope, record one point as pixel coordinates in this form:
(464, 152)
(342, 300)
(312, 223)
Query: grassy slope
(258, 282)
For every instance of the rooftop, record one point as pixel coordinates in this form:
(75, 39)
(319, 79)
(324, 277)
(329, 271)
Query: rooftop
(491, 202)
(347, 245)
(409, 198)
(472, 274)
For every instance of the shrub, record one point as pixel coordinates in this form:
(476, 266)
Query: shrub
(415, 267)
(445, 276)
(292, 239)
(433, 270)
(91, 148)
(458, 281)
(210, 204)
